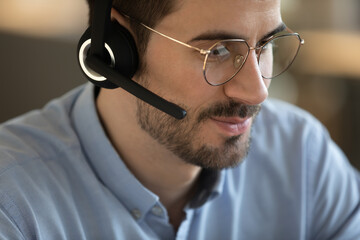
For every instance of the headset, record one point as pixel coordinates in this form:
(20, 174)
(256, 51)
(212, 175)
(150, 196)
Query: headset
(108, 57)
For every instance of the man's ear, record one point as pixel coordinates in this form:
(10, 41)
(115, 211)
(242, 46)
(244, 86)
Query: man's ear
(123, 21)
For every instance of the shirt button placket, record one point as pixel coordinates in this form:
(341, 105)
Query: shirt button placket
(157, 211)
(136, 213)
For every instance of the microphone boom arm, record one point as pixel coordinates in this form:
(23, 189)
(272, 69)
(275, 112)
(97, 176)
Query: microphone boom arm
(134, 88)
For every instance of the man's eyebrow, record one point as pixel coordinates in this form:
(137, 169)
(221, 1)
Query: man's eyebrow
(216, 35)
(279, 28)
(220, 35)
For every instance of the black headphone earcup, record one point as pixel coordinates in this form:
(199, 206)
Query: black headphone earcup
(124, 48)
(122, 55)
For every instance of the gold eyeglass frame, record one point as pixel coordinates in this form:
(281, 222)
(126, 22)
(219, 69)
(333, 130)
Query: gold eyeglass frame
(206, 52)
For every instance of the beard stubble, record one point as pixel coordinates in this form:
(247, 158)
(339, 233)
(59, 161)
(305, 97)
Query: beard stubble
(183, 138)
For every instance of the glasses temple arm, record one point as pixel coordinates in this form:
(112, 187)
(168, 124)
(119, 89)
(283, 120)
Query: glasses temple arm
(202, 51)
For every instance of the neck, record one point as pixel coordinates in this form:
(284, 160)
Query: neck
(158, 169)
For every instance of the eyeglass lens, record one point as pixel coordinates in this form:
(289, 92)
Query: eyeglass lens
(227, 57)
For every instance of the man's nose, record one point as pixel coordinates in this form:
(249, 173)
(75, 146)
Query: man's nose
(248, 86)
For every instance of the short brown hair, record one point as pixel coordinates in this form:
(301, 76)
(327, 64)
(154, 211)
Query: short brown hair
(149, 12)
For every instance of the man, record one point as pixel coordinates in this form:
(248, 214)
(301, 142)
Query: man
(102, 164)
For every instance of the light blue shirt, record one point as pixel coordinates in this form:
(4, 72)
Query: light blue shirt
(61, 178)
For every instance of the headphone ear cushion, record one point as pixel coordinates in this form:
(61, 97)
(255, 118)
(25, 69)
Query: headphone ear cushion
(83, 51)
(122, 55)
(124, 49)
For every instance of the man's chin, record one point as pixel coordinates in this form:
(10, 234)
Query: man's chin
(230, 154)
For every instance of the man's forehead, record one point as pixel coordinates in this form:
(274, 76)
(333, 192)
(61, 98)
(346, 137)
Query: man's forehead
(216, 7)
(207, 15)
(206, 3)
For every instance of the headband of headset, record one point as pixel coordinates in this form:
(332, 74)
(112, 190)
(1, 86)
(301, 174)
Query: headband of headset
(100, 27)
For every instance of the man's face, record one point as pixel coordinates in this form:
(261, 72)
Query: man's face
(216, 130)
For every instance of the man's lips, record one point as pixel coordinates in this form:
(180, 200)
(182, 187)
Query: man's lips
(232, 126)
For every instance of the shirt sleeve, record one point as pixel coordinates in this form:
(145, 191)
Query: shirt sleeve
(333, 191)
(8, 228)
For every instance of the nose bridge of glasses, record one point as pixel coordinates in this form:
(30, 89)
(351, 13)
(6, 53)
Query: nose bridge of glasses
(256, 49)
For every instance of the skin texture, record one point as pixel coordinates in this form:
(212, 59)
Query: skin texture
(164, 153)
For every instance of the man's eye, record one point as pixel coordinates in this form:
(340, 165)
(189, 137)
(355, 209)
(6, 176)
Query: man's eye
(219, 53)
(266, 48)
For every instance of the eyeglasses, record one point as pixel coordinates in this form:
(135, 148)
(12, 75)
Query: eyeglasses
(224, 59)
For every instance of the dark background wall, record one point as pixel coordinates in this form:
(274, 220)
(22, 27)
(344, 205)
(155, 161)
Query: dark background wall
(33, 71)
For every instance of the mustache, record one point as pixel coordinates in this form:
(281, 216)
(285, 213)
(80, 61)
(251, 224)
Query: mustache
(229, 109)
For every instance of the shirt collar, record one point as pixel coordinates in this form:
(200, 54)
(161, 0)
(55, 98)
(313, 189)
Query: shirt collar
(105, 161)
(211, 183)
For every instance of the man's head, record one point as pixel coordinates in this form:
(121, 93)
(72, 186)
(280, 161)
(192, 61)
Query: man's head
(216, 131)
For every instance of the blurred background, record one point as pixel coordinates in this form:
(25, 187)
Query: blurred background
(38, 40)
